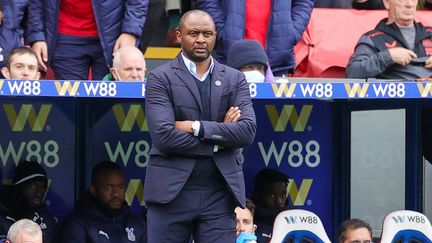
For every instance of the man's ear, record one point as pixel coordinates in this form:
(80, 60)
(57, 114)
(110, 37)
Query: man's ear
(178, 36)
(38, 76)
(5, 72)
(386, 4)
(114, 73)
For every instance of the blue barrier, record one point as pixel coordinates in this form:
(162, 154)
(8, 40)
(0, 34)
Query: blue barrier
(307, 89)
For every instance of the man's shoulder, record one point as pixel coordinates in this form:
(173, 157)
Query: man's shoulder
(426, 28)
(219, 67)
(373, 33)
(83, 218)
(378, 30)
(166, 67)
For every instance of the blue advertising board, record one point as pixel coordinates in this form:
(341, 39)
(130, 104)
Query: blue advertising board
(307, 89)
(41, 130)
(295, 137)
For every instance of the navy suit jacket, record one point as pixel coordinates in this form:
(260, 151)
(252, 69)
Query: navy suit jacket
(172, 95)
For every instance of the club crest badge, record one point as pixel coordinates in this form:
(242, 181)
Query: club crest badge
(130, 233)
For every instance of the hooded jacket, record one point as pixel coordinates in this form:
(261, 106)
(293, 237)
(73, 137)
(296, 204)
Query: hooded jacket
(90, 222)
(12, 209)
(372, 59)
(264, 218)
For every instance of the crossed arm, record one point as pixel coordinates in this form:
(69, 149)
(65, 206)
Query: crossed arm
(172, 136)
(232, 115)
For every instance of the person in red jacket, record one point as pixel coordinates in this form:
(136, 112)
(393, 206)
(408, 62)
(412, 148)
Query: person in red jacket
(74, 36)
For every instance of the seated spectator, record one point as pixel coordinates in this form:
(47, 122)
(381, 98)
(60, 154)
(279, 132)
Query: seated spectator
(270, 197)
(398, 47)
(24, 231)
(24, 199)
(21, 63)
(128, 65)
(245, 224)
(249, 57)
(354, 230)
(101, 214)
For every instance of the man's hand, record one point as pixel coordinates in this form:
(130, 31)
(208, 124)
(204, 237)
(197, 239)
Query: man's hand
(233, 114)
(428, 63)
(401, 55)
(41, 50)
(185, 126)
(125, 39)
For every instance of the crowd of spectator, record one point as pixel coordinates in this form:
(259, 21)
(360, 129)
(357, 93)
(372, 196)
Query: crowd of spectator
(77, 41)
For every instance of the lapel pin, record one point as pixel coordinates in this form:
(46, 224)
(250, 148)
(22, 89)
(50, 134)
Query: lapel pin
(218, 83)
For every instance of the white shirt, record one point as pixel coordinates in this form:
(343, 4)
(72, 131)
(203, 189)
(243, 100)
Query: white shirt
(191, 66)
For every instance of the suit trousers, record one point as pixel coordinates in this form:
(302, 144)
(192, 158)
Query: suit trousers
(74, 56)
(207, 214)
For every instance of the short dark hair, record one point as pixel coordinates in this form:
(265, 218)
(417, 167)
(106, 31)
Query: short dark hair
(251, 206)
(103, 167)
(265, 178)
(194, 11)
(19, 51)
(352, 224)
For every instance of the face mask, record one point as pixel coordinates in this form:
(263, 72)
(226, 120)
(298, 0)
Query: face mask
(254, 76)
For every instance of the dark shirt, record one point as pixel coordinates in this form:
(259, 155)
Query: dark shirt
(264, 218)
(91, 222)
(12, 209)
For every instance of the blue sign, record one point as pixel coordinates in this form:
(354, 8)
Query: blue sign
(307, 89)
(295, 137)
(42, 131)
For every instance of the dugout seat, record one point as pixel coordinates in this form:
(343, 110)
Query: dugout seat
(298, 226)
(404, 226)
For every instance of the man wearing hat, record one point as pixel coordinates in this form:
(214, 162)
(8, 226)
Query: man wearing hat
(25, 199)
(249, 57)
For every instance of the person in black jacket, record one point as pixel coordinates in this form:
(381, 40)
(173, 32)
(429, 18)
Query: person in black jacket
(270, 198)
(101, 214)
(24, 199)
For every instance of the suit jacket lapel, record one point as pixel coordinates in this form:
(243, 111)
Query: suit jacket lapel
(187, 78)
(217, 83)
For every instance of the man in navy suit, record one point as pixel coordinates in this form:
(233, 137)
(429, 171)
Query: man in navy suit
(199, 115)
